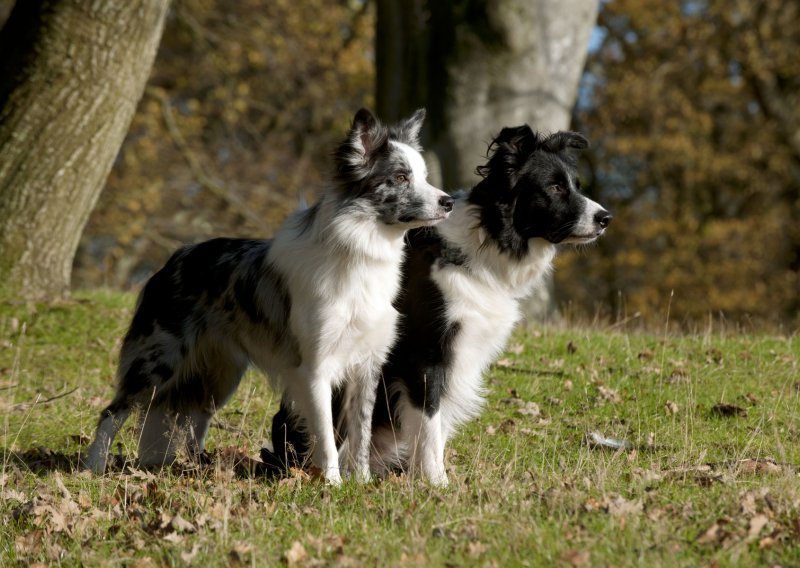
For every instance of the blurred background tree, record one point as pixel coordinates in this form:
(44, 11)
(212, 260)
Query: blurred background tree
(479, 65)
(71, 74)
(693, 109)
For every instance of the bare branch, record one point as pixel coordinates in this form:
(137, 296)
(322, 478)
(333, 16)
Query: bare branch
(194, 162)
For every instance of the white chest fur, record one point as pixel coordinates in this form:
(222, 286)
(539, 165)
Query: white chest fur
(482, 297)
(343, 274)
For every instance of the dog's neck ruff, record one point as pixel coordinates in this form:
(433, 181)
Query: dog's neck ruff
(354, 232)
(467, 246)
(451, 254)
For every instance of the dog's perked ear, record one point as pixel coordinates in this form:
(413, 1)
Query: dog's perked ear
(517, 138)
(510, 148)
(407, 131)
(366, 138)
(565, 140)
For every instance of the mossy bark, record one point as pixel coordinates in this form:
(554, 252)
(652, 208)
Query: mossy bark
(71, 75)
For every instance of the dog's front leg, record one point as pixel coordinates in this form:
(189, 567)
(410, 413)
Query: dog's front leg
(424, 429)
(312, 395)
(361, 392)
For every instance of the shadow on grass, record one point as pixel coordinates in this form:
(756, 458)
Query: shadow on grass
(42, 461)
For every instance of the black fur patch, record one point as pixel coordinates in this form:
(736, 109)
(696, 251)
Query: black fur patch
(211, 281)
(424, 349)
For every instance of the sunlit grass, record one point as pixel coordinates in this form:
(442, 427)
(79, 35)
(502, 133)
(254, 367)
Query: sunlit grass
(527, 485)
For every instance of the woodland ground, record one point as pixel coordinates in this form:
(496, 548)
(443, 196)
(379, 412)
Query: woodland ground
(708, 472)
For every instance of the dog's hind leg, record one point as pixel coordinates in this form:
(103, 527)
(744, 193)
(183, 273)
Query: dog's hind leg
(290, 441)
(159, 438)
(195, 425)
(112, 419)
(222, 373)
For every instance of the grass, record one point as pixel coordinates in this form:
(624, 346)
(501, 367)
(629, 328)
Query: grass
(709, 473)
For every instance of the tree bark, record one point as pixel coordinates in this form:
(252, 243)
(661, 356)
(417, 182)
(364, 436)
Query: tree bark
(71, 75)
(480, 65)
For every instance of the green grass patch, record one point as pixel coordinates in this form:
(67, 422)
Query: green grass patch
(706, 472)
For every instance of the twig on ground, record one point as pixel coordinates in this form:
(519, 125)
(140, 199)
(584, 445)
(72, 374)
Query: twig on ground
(527, 370)
(45, 401)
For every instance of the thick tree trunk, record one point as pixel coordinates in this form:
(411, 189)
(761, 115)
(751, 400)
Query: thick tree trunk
(480, 65)
(71, 75)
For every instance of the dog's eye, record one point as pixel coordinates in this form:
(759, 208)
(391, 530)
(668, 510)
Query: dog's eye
(556, 189)
(400, 178)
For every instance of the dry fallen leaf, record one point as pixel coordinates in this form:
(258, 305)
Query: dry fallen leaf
(13, 494)
(577, 558)
(713, 534)
(678, 376)
(757, 523)
(296, 555)
(530, 409)
(189, 555)
(241, 551)
(61, 487)
(758, 465)
(766, 542)
(748, 504)
(609, 395)
(179, 524)
(646, 354)
(476, 549)
(618, 506)
(173, 537)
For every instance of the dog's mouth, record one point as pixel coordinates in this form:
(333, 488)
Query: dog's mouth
(435, 219)
(583, 239)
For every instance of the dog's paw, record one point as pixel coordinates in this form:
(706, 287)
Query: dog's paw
(96, 459)
(363, 474)
(333, 476)
(96, 466)
(437, 477)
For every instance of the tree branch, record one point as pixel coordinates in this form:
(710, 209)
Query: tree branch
(194, 162)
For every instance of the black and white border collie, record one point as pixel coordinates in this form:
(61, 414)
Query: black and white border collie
(462, 283)
(312, 308)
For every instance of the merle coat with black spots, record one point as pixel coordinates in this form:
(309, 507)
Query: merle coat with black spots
(312, 308)
(462, 284)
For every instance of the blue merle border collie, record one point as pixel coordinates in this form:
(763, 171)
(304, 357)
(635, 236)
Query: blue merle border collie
(312, 308)
(462, 283)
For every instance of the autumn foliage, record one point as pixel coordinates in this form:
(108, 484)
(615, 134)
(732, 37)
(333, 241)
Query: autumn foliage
(245, 102)
(692, 108)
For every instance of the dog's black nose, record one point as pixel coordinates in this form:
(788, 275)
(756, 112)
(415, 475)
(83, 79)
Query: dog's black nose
(603, 218)
(447, 203)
